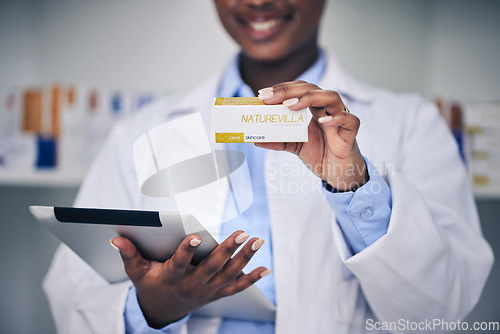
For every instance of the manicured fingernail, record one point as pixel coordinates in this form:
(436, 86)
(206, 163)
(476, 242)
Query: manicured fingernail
(257, 244)
(113, 245)
(266, 90)
(325, 119)
(265, 273)
(195, 242)
(265, 95)
(241, 238)
(290, 102)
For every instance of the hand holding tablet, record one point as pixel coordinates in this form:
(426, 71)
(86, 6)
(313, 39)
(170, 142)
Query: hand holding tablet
(158, 251)
(169, 290)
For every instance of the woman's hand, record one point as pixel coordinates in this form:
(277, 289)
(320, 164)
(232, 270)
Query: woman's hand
(331, 152)
(168, 291)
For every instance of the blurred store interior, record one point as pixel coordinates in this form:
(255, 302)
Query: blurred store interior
(70, 69)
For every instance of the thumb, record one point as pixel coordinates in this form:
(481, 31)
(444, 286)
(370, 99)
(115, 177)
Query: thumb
(135, 265)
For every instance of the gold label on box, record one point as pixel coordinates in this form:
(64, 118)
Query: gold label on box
(238, 101)
(229, 137)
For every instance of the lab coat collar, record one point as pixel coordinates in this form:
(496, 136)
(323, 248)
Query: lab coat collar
(337, 79)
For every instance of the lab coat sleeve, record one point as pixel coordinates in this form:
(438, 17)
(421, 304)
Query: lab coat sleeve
(136, 323)
(433, 261)
(80, 299)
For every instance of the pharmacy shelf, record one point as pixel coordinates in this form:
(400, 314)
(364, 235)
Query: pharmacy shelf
(41, 178)
(73, 178)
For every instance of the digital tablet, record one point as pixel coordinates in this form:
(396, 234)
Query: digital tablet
(156, 235)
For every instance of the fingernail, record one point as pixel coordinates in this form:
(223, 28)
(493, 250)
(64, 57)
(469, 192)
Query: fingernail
(265, 95)
(113, 245)
(257, 244)
(195, 242)
(290, 102)
(265, 273)
(266, 90)
(325, 119)
(241, 238)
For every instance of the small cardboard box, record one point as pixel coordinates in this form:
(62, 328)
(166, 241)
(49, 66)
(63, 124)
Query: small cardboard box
(249, 120)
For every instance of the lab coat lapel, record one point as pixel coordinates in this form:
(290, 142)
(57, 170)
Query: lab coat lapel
(335, 78)
(199, 101)
(208, 201)
(302, 239)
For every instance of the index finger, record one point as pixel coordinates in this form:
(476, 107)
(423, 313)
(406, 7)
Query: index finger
(175, 267)
(211, 265)
(285, 90)
(135, 265)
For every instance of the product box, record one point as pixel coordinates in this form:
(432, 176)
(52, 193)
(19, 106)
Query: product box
(249, 120)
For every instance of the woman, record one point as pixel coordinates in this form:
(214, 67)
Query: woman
(378, 245)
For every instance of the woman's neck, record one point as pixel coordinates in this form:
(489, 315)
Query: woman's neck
(258, 74)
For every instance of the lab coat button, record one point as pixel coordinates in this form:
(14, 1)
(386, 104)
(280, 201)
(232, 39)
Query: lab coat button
(367, 213)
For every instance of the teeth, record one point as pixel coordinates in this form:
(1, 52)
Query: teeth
(261, 26)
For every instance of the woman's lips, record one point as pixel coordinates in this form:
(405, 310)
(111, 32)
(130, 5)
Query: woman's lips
(262, 28)
(265, 25)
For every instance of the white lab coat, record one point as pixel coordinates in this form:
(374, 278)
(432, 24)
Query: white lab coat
(431, 264)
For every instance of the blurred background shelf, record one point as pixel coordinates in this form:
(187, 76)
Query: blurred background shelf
(41, 178)
(57, 178)
(486, 193)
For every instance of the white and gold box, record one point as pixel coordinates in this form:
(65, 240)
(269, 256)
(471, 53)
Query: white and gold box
(249, 120)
